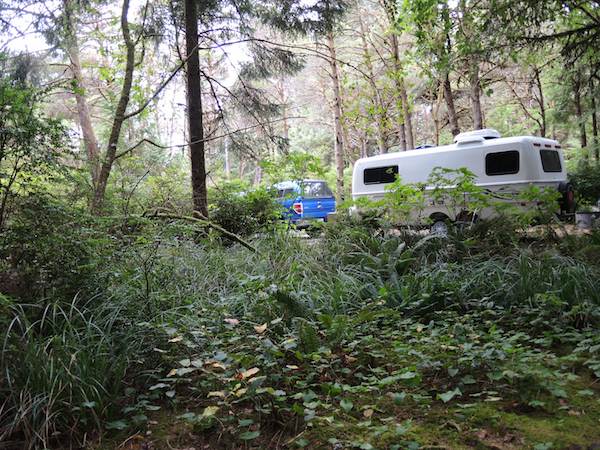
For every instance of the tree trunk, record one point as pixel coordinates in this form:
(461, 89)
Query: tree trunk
(399, 79)
(435, 112)
(402, 134)
(83, 111)
(449, 97)
(380, 112)
(595, 142)
(541, 102)
(579, 114)
(257, 174)
(119, 117)
(338, 147)
(474, 94)
(364, 142)
(227, 162)
(241, 167)
(194, 110)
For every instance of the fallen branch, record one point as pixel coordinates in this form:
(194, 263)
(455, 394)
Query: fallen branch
(200, 219)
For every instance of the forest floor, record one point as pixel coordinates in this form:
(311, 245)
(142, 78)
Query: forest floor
(472, 374)
(360, 338)
(368, 393)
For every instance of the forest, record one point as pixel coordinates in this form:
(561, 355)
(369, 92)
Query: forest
(156, 291)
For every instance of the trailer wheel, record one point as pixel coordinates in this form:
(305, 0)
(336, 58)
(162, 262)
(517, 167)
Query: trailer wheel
(439, 228)
(439, 224)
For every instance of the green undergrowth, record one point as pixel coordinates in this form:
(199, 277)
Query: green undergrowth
(359, 339)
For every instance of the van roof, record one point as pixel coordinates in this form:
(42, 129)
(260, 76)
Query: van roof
(289, 184)
(452, 147)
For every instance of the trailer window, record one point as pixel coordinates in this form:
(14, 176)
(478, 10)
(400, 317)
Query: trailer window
(380, 175)
(502, 163)
(550, 161)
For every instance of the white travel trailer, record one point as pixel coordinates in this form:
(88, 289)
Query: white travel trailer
(502, 166)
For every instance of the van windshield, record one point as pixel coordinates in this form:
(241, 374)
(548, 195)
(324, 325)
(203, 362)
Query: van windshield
(316, 189)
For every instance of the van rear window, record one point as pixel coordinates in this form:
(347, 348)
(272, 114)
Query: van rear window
(550, 161)
(502, 163)
(380, 175)
(316, 189)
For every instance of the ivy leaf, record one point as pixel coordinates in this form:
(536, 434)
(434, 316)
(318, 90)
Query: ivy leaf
(248, 373)
(245, 422)
(116, 425)
(260, 329)
(447, 396)
(185, 362)
(249, 435)
(210, 411)
(346, 405)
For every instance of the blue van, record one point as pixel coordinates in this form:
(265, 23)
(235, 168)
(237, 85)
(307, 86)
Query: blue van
(305, 200)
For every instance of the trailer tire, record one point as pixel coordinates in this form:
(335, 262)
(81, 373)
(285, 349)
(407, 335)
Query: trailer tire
(439, 224)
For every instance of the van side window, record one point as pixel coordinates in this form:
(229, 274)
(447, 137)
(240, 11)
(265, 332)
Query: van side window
(380, 175)
(550, 161)
(502, 163)
(286, 193)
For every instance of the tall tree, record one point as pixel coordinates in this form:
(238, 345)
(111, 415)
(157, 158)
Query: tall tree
(395, 20)
(471, 53)
(338, 143)
(120, 116)
(194, 109)
(375, 93)
(71, 45)
(593, 106)
(431, 23)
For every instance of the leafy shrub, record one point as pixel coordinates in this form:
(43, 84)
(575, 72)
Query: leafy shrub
(51, 248)
(244, 213)
(586, 179)
(31, 145)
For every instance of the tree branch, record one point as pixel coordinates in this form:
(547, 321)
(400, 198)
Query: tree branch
(212, 138)
(201, 220)
(159, 89)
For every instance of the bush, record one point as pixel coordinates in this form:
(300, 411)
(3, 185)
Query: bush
(244, 213)
(50, 249)
(586, 179)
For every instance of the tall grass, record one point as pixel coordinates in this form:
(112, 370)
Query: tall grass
(66, 365)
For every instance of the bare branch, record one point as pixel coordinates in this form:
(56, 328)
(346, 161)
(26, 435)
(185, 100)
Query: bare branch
(212, 138)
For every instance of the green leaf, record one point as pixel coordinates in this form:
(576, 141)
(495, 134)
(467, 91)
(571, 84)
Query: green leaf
(210, 411)
(346, 405)
(449, 395)
(116, 425)
(249, 435)
(301, 443)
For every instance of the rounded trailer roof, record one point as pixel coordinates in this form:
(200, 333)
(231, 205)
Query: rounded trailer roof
(453, 147)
